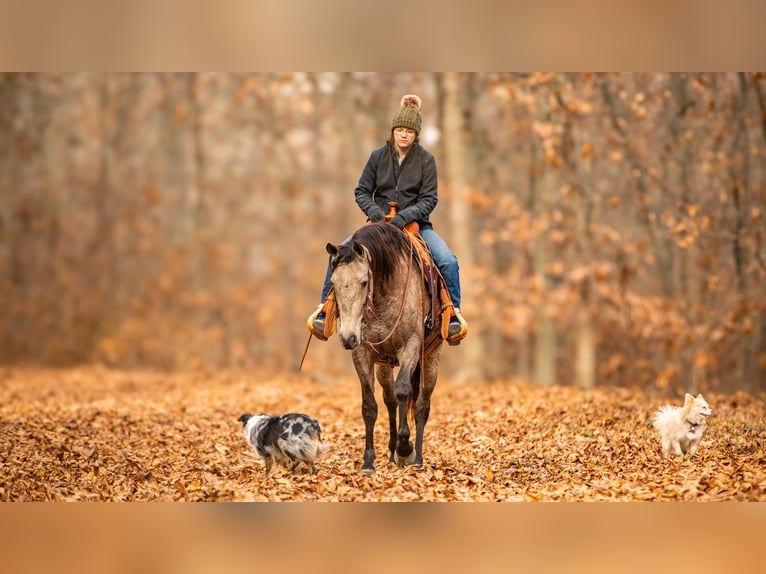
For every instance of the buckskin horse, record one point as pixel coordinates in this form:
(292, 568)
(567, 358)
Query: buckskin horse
(386, 318)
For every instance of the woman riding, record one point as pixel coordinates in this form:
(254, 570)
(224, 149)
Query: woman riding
(404, 172)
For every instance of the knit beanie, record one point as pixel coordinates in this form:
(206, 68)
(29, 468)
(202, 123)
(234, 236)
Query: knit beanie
(408, 114)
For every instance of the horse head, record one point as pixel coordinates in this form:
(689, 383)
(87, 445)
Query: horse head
(351, 279)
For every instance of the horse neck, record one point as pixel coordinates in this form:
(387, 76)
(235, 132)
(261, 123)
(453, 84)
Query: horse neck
(388, 297)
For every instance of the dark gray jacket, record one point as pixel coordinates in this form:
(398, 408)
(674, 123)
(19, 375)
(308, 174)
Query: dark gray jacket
(412, 185)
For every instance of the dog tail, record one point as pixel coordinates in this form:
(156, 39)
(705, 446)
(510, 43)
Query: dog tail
(662, 416)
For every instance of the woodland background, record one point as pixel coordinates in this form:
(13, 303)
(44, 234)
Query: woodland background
(609, 227)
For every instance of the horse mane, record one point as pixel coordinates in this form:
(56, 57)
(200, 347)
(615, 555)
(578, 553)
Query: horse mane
(386, 244)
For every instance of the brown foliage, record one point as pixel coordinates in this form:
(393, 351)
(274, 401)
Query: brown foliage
(610, 227)
(96, 434)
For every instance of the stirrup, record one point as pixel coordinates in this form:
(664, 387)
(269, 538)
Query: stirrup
(455, 339)
(310, 323)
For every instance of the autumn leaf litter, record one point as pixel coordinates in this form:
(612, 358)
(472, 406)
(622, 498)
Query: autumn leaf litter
(95, 434)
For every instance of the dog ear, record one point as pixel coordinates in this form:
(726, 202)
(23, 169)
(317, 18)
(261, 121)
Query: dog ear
(332, 249)
(688, 398)
(700, 397)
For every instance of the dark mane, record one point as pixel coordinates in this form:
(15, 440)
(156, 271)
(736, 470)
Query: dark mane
(386, 244)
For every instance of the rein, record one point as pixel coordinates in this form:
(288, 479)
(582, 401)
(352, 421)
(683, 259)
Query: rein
(369, 312)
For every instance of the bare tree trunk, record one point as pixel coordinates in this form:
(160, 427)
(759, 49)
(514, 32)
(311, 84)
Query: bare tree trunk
(524, 336)
(205, 238)
(740, 190)
(678, 126)
(460, 210)
(545, 331)
(540, 198)
(8, 255)
(31, 210)
(281, 178)
(678, 130)
(103, 245)
(585, 349)
(760, 238)
(353, 152)
(638, 173)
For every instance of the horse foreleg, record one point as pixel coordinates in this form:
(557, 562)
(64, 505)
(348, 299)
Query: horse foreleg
(364, 370)
(385, 375)
(369, 414)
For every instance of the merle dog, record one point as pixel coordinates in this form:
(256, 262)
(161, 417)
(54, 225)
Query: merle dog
(288, 439)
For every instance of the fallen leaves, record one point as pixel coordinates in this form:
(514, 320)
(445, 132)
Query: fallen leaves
(96, 434)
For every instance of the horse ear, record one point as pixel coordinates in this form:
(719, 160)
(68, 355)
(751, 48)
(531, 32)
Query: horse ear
(359, 249)
(332, 249)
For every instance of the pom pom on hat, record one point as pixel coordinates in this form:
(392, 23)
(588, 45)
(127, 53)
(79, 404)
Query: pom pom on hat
(411, 101)
(408, 114)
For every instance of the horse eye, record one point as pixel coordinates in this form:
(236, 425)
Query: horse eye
(364, 284)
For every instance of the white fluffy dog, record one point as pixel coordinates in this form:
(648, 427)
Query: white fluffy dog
(681, 428)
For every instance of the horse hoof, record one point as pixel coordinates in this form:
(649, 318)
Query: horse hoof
(406, 460)
(367, 471)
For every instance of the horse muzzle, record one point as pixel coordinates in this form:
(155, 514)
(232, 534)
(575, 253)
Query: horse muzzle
(350, 342)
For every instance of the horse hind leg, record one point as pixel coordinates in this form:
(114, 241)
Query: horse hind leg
(385, 374)
(422, 404)
(403, 390)
(422, 411)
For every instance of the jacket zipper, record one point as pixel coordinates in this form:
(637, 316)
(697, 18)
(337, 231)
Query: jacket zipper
(401, 171)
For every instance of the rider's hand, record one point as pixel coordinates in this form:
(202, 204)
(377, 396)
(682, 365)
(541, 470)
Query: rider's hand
(398, 220)
(377, 215)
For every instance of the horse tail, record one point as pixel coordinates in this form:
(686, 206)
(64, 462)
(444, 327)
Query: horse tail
(415, 385)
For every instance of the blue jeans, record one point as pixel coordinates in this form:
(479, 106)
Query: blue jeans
(443, 257)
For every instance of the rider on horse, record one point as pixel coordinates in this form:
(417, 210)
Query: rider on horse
(403, 172)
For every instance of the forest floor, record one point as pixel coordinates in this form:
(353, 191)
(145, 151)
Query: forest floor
(95, 434)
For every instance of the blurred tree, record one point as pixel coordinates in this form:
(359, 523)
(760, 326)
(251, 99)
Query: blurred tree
(609, 226)
(580, 195)
(457, 191)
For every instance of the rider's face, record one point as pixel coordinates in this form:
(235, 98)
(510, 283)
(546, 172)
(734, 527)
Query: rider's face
(403, 138)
